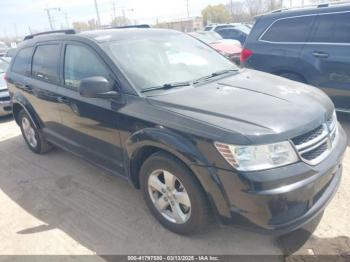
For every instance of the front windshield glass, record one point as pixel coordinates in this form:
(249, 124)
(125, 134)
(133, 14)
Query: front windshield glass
(153, 60)
(3, 66)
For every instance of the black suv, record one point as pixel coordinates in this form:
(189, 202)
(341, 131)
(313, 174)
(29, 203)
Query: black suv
(309, 45)
(199, 136)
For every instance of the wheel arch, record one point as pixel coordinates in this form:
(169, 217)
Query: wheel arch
(17, 106)
(148, 141)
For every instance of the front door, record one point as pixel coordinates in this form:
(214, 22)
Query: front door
(328, 56)
(89, 125)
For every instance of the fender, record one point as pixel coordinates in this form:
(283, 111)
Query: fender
(180, 146)
(19, 100)
(185, 149)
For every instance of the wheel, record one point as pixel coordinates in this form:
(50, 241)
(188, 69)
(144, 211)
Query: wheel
(294, 77)
(34, 139)
(173, 195)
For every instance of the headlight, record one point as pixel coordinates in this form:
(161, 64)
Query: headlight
(252, 158)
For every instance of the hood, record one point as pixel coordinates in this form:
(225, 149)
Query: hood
(262, 107)
(226, 46)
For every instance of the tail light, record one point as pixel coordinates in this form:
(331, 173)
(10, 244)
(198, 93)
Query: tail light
(245, 54)
(5, 77)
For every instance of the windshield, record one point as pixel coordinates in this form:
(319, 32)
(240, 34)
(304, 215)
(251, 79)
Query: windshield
(157, 60)
(3, 65)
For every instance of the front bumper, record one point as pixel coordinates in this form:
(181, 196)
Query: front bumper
(277, 200)
(5, 108)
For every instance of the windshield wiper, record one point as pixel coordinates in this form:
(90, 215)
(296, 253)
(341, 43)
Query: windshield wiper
(166, 86)
(215, 74)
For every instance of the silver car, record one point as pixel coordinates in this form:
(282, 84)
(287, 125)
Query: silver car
(5, 100)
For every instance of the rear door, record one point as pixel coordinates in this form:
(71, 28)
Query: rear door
(89, 125)
(327, 55)
(35, 75)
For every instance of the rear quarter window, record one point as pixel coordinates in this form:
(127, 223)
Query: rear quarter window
(22, 62)
(296, 29)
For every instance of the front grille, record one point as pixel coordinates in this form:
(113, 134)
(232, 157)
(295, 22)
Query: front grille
(299, 140)
(315, 145)
(314, 153)
(5, 98)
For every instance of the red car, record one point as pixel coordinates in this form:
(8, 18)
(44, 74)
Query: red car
(230, 48)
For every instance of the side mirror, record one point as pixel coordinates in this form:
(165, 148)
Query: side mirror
(96, 87)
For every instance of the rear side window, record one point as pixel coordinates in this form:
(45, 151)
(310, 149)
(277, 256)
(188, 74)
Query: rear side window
(45, 63)
(295, 29)
(229, 33)
(332, 28)
(22, 62)
(80, 62)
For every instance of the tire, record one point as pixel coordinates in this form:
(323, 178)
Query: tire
(32, 136)
(197, 213)
(294, 77)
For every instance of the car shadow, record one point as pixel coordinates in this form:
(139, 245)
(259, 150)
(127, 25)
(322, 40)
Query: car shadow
(302, 242)
(101, 212)
(4, 119)
(344, 120)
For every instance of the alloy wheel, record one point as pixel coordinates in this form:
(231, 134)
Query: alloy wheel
(169, 196)
(29, 132)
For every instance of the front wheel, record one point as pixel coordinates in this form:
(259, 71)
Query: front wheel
(173, 195)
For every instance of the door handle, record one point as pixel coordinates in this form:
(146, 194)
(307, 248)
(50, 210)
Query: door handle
(320, 54)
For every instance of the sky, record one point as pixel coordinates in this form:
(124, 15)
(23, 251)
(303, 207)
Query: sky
(17, 17)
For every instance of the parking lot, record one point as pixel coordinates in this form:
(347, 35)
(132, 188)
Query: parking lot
(59, 204)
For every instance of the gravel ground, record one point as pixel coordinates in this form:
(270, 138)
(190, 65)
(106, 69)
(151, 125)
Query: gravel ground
(59, 204)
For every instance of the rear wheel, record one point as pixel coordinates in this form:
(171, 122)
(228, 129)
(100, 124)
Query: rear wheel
(173, 195)
(34, 139)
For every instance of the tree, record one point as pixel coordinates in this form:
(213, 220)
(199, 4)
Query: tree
(81, 26)
(238, 11)
(216, 14)
(120, 21)
(255, 7)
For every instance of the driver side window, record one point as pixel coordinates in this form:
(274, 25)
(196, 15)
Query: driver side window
(79, 63)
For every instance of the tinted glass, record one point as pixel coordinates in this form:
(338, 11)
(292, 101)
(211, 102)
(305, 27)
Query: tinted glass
(151, 60)
(290, 30)
(45, 63)
(229, 33)
(332, 28)
(81, 62)
(22, 61)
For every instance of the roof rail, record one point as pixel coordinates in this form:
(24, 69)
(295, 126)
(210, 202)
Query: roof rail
(311, 6)
(131, 26)
(66, 31)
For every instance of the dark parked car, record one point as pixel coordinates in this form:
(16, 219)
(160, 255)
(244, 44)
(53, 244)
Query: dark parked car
(238, 32)
(306, 45)
(5, 100)
(199, 136)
